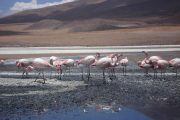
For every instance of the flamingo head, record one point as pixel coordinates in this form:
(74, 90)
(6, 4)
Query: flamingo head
(53, 58)
(18, 64)
(145, 52)
(139, 63)
(155, 65)
(147, 61)
(119, 56)
(51, 61)
(97, 55)
(171, 63)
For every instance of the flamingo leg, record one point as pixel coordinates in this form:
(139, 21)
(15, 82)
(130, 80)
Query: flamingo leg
(59, 74)
(22, 74)
(88, 73)
(110, 73)
(64, 74)
(43, 77)
(51, 75)
(26, 74)
(161, 74)
(104, 82)
(146, 72)
(113, 72)
(37, 76)
(82, 74)
(164, 74)
(125, 70)
(176, 72)
(155, 74)
(69, 70)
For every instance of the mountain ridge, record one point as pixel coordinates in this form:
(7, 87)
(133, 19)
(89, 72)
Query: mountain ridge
(144, 11)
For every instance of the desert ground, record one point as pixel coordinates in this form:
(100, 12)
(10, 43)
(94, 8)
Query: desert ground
(155, 98)
(17, 35)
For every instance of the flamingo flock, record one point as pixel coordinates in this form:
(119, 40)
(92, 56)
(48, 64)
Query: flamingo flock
(109, 62)
(158, 63)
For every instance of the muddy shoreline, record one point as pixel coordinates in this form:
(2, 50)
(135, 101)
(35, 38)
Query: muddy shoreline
(158, 99)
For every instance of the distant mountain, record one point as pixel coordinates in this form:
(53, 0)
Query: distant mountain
(109, 11)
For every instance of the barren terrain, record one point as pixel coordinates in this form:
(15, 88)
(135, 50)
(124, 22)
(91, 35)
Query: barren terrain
(15, 35)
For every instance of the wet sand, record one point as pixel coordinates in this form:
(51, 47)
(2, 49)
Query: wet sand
(157, 99)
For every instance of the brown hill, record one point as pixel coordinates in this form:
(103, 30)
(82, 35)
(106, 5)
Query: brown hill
(81, 15)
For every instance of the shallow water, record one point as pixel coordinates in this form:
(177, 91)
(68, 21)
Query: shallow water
(81, 113)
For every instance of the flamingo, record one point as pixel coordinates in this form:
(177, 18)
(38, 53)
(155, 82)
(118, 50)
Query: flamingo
(57, 63)
(124, 63)
(87, 62)
(144, 65)
(106, 62)
(39, 65)
(117, 58)
(68, 63)
(51, 60)
(175, 63)
(152, 60)
(162, 66)
(58, 66)
(22, 64)
(2, 62)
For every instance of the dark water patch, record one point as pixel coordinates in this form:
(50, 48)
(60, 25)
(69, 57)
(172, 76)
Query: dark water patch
(80, 113)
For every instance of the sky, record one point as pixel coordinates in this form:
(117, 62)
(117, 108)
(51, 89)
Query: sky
(8, 7)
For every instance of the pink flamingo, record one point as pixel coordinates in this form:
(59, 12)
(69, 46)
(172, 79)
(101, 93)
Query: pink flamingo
(52, 62)
(52, 59)
(68, 63)
(58, 66)
(87, 62)
(175, 63)
(162, 66)
(124, 63)
(2, 62)
(106, 62)
(22, 64)
(39, 65)
(152, 60)
(60, 63)
(115, 57)
(142, 64)
(57, 63)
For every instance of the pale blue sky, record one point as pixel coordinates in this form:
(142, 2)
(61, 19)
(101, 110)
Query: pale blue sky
(11, 6)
